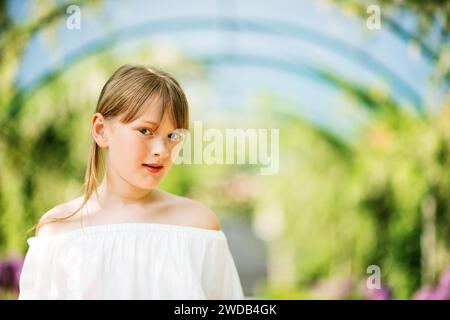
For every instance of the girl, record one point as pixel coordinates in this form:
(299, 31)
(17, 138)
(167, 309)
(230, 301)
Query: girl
(137, 242)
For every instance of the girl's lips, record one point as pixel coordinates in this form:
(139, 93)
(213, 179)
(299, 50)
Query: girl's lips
(153, 168)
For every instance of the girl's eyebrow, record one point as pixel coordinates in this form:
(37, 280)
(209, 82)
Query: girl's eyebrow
(151, 122)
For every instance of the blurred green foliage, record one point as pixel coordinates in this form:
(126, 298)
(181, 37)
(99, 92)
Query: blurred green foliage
(375, 201)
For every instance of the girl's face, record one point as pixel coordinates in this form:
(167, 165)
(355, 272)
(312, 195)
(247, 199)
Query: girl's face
(132, 147)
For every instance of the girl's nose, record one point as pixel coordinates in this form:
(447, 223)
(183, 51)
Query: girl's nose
(158, 147)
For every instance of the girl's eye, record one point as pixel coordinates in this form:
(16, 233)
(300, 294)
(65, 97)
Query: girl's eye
(146, 132)
(175, 136)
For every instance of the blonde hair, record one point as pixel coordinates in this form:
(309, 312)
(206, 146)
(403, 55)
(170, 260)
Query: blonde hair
(124, 95)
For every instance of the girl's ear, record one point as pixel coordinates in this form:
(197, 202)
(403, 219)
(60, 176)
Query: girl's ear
(99, 132)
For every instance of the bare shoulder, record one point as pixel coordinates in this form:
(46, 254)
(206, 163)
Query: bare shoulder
(60, 211)
(193, 213)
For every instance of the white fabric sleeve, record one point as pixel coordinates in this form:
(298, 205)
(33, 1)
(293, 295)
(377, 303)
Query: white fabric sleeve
(32, 284)
(220, 278)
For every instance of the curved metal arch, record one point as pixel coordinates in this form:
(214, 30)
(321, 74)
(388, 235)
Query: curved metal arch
(189, 24)
(279, 28)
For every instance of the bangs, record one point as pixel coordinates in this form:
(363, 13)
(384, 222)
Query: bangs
(141, 95)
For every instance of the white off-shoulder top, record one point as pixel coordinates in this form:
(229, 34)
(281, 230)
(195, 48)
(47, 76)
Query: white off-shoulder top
(130, 261)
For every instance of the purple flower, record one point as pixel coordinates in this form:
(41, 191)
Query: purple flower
(384, 293)
(424, 294)
(445, 280)
(10, 273)
(440, 292)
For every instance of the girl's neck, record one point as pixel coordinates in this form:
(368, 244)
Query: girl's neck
(108, 194)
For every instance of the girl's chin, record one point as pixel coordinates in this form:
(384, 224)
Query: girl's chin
(149, 183)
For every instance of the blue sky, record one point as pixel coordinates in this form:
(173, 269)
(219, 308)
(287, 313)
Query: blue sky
(319, 28)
